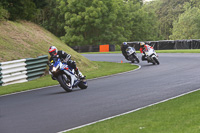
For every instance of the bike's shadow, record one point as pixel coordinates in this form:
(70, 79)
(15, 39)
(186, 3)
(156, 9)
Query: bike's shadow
(64, 92)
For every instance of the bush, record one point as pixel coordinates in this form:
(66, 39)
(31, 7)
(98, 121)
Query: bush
(19, 9)
(3, 13)
(117, 47)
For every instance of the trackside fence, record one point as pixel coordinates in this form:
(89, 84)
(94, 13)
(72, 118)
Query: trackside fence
(18, 71)
(158, 45)
(170, 44)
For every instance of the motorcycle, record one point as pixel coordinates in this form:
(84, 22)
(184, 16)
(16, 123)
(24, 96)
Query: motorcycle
(66, 76)
(132, 56)
(152, 56)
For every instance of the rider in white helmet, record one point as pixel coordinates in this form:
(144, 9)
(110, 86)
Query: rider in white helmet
(143, 48)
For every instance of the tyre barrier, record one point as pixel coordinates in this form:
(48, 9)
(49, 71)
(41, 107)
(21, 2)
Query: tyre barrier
(23, 70)
(93, 48)
(169, 44)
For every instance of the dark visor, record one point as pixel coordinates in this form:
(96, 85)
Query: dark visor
(53, 53)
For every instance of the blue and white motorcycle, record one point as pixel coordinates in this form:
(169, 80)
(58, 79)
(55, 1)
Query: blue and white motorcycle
(132, 56)
(66, 76)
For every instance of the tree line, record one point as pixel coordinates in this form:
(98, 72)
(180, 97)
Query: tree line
(90, 22)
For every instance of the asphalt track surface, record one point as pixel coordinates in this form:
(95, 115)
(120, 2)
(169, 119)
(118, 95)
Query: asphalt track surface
(50, 110)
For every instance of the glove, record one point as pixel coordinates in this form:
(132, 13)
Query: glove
(67, 58)
(50, 63)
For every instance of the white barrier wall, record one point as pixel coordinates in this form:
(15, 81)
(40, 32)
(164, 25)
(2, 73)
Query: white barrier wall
(18, 71)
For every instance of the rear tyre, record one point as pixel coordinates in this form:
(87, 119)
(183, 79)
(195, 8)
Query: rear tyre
(66, 85)
(156, 60)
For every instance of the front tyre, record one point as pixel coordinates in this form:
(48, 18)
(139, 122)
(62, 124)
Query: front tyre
(83, 85)
(138, 61)
(66, 85)
(156, 60)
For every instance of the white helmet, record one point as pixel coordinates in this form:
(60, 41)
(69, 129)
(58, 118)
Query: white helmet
(142, 44)
(53, 50)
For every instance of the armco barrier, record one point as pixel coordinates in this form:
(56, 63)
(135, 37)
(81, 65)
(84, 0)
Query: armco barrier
(18, 71)
(36, 66)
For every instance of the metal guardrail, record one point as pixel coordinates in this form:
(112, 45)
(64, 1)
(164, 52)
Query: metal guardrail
(23, 70)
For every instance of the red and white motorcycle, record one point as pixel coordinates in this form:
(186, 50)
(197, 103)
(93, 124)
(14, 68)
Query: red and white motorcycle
(151, 56)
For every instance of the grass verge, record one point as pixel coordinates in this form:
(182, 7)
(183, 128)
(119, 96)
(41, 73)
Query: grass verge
(104, 69)
(157, 51)
(180, 115)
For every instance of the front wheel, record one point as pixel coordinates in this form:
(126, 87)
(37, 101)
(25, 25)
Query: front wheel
(138, 61)
(66, 85)
(83, 84)
(156, 60)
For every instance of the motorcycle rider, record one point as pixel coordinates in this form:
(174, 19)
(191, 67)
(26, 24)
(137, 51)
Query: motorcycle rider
(53, 51)
(123, 49)
(143, 48)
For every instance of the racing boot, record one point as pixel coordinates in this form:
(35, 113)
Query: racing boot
(80, 75)
(144, 57)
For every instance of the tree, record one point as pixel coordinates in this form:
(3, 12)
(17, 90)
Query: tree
(90, 22)
(50, 16)
(168, 12)
(144, 24)
(3, 13)
(20, 9)
(187, 25)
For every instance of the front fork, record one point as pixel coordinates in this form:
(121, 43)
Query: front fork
(72, 76)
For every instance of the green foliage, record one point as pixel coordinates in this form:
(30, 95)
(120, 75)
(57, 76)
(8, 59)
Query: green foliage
(145, 24)
(50, 17)
(167, 11)
(106, 22)
(3, 13)
(91, 22)
(40, 4)
(187, 26)
(20, 9)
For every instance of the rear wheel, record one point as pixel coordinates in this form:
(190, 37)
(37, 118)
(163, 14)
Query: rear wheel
(156, 60)
(66, 85)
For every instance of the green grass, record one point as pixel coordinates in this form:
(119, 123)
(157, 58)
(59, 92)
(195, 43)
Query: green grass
(22, 39)
(157, 51)
(109, 68)
(180, 115)
(104, 69)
